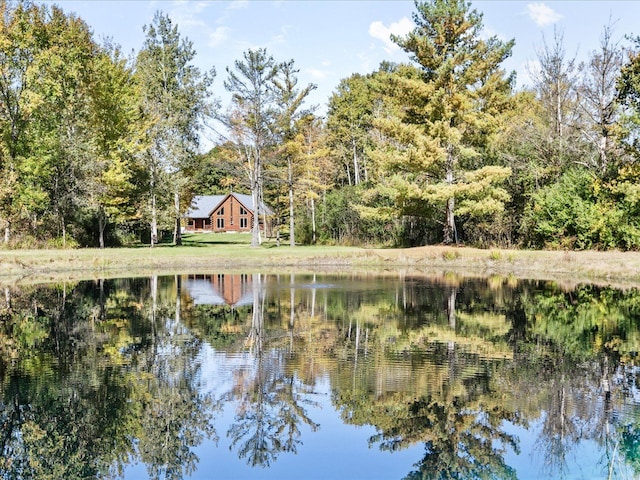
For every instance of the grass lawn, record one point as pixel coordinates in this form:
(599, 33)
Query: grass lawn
(205, 253)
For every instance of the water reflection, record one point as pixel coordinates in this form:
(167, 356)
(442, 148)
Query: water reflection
(487, 378)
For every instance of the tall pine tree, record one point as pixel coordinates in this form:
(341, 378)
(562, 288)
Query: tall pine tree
(448, 110)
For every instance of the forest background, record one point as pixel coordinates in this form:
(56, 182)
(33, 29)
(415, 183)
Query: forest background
(101, 149)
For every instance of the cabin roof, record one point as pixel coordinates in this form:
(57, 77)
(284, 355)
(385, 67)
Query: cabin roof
(202, 206)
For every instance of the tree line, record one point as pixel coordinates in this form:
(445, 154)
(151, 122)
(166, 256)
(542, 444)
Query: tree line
(98, 149)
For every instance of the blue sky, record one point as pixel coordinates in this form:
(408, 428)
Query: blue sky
(331, 39)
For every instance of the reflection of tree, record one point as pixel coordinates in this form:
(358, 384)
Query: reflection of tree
(177, 417)
(460, 423)
(96, 375)
(271, 401)
(94, 382)
(585, 340)
(460, 442)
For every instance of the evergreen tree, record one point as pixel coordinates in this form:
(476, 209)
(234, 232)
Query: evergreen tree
(251, 121)
(450, 109)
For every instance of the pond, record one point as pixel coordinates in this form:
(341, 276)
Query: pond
(319, 376)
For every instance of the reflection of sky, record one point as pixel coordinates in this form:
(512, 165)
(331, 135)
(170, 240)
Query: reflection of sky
(341, 451)
(585, 460)
(334, 451)
(337, 450)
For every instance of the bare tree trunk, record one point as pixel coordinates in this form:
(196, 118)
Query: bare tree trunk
(154, 221)
(292, 310)
(257, 319)
(450, 224)
(603, 146)
(154, 299)
(292, 235)
(7, 231)
(559, 129)
(178, 315)
(103, 310)
(177, 232)
(356, 167)
(451, 307)
(255, 229)
(101, 227)
(313, 221)
(313, 298)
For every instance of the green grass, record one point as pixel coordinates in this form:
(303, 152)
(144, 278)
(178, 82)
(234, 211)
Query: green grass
(208, 239)
(204, 253)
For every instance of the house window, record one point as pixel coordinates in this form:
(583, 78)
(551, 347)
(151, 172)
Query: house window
(242, 211)
(220, 223)
(243, 222)
(207, 222)
(221, 212)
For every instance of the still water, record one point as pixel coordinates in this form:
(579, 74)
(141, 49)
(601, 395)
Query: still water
(291, 376)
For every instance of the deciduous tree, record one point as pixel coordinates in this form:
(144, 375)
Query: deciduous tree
(290, 100)
(174, 98)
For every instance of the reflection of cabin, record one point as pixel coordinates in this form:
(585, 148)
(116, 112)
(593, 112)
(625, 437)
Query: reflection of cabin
(225, 213)
(222, 289)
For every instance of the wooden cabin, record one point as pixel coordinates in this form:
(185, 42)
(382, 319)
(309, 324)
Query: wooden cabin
(225, 213)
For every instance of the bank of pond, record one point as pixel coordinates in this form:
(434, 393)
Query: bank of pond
(319, 376)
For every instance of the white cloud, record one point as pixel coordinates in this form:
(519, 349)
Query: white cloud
(317, 74)
(542, 15)
(237, 4)
(218, 36)
(378, 30)
(188, 14)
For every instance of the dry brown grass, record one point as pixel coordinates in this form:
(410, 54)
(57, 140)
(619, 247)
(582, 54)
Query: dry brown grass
(618, 268)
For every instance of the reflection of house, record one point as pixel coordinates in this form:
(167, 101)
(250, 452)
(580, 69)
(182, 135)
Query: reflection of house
(225, 213)
(222, 289)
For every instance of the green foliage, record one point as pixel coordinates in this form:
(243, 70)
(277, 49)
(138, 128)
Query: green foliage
(579, 212)
(97, 149)
(443, 114)
(359, 215)
(173, 99)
